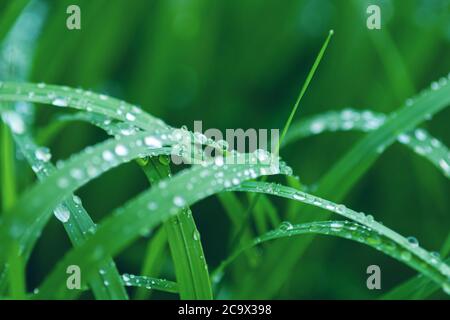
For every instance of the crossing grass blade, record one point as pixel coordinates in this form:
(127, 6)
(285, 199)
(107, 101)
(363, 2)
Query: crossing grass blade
(184, 241)
(38, 202)
(343, 229)
(106, 284)
(401, 248)
(148, 210)
(187, 252)
(419, 140)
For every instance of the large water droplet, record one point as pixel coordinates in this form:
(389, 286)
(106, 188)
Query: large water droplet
(152, 142)
(337, 225)
(43, 154)
(121, 150)
(77, 200)
(404, 138)
(179, 201)
(286, 226)
(413, 242)
(196, 235)
(130, 117)
(60, 102)
(15, 122)
(317, 127)
(107, 155)
(62, 213)
(420, 134)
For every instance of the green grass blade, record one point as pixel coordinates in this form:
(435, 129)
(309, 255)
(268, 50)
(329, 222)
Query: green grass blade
(344, 229)
(343, 175)
(39, 201)
(155, 253)
(107, 283)
(184, 241)
(305, 86)
(187, 252)
(237, 238)
(419, 140)
(60, 96)
(410, 253)
(149, 209)
(417, 287)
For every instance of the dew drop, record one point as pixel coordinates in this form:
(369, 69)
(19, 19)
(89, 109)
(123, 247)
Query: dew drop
(107, 155)
(60, 102)
(218, 161)
(130, 117)
(435, 86)
(317, 127)
(404, 138)
(62, 214)
(63, 183)
(413, 242)
(77, 200)
(299, 196)
(420, 134)
(340, 208)
(337, 225)
(76, 173)
(286, 226)
(196, 235)
(15, 122)
(121, 150)
(152, 206)
(43, 154)
(152, 142)
(261, 155)
(179, 201)
(444, 165)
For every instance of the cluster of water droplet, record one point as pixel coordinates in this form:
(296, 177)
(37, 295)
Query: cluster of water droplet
(423, 144)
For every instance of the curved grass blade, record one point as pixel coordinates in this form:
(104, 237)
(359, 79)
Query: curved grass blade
(60, 96)
(149, 209)
(106, 284)
(38, 202)
(335, 184)
(411, 253)
(184, 240)
(419, 141)
(192, 255)
(237, 238)
(343, 229)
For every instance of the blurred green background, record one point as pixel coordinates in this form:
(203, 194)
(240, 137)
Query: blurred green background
(240, 64)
